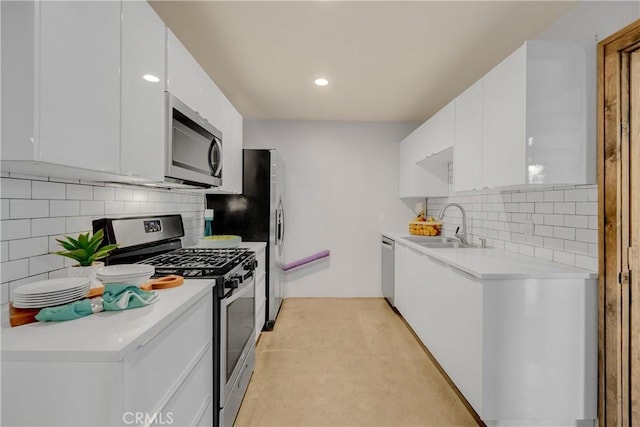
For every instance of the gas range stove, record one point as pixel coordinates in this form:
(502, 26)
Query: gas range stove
(202, 263)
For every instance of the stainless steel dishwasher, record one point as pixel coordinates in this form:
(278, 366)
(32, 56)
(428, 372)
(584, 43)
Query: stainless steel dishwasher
(388, 270)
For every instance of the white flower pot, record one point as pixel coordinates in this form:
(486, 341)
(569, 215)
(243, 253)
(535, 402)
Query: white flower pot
(88, 271)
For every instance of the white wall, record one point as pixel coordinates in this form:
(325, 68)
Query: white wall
(340, 177)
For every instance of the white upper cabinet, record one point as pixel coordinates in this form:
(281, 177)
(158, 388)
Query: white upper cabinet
(438, 132)
(79, 84)
(535, 118)
(72, 74)
(232, 149)
(468, 148)
(143, 102)
(415, 180)
(61, 91)
(504, 122)
(183, 73)
(424, 156)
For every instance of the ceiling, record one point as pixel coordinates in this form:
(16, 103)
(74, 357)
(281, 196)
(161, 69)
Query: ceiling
(385, 60)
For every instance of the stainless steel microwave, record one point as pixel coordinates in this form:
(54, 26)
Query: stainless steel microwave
(193, 147)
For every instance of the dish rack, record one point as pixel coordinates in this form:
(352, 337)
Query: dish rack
(425, 228)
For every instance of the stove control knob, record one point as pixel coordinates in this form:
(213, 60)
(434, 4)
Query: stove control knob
(233, 282)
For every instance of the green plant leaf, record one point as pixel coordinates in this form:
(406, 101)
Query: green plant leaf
(97, 237)
(73, 241)
(104, 251)
(68, 246)
(83, 240)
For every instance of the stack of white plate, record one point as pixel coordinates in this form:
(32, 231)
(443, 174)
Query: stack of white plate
(125, 274)
(49, 293)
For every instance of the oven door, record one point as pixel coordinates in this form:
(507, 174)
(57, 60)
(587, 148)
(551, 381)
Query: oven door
(237, 334)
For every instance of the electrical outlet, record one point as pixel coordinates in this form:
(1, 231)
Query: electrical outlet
(380, 217)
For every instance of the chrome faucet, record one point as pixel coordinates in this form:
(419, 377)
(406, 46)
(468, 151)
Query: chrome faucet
(463, 235)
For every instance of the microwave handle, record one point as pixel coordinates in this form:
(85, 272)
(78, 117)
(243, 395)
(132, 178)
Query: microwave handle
(216, 168)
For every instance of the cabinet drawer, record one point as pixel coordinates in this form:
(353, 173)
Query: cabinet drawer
(157, 366)
(189, 403)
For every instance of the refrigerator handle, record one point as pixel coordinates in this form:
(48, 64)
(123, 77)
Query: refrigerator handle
(279, 224)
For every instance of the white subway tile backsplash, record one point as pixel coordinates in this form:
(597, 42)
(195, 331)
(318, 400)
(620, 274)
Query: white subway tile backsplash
(13, 270)
(47, 226)
(535, 196)
(45, 263)
(526, 250)
(15, 188)
(544, 230)
(78, 224)
(4, 296)
(544, 207)
(553, 219)
(104, 193)
(29, 208)
(587, 208)
(566, 233)
(526, 207)
(564, 208)
(544, 253)
(593, 222)
(575, 195)
(115, 208)
(518, 197)
(132, 208)
(64, 208)
(4, 251)
(587, 262)
(573, 247)
(5, 203)
(510, 246)
(553, 243)
(592, 194)
(15, 229)
(554, 196)
(124, 194)
(586, 235)
(90, 207)
(564, 258)
(79, 192)
(576, 221)
(47, 190)
(25, 248)
(593, 250)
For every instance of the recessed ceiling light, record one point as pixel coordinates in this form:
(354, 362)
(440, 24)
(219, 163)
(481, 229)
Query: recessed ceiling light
(321, 82)
(151, 78)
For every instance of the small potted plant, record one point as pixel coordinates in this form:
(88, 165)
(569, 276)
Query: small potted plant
(87, 251)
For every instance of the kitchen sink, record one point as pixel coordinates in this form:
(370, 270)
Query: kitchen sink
(437, 242)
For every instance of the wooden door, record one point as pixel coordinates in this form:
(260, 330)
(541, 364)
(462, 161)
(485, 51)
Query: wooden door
(619, 211)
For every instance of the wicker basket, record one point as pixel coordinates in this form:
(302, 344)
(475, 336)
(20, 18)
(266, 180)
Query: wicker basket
(425, 228)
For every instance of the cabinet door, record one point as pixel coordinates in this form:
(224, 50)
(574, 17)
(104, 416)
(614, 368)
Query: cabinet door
(79, 84)
(143, 104)
(504, 122)
(468, 148)
(212, 102)
(183, 73)
(401, 291)
(440, 133)
(232, 149)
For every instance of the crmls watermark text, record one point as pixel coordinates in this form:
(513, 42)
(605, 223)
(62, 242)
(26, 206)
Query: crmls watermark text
(158, 418)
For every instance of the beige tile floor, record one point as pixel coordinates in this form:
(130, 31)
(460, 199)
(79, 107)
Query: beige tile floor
(346, 362)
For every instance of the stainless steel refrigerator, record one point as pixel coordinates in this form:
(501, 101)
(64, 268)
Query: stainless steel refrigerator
(257, 215)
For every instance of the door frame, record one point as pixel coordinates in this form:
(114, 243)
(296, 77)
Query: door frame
(617, 403)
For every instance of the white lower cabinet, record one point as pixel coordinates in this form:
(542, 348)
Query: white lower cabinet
(522, 350)
(168, 377)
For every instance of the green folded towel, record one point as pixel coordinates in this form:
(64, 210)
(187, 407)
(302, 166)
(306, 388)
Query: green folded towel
(122, 297)
(114, 298)
(75, 310)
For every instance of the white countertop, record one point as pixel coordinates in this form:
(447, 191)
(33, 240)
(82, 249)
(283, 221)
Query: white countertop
(495, 264)
(254, 246)
(101, 337)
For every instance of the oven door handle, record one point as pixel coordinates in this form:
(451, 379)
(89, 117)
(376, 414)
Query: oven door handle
(243, 289)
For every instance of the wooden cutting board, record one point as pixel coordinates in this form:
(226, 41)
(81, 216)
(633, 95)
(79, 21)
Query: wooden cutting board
(22, 316)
